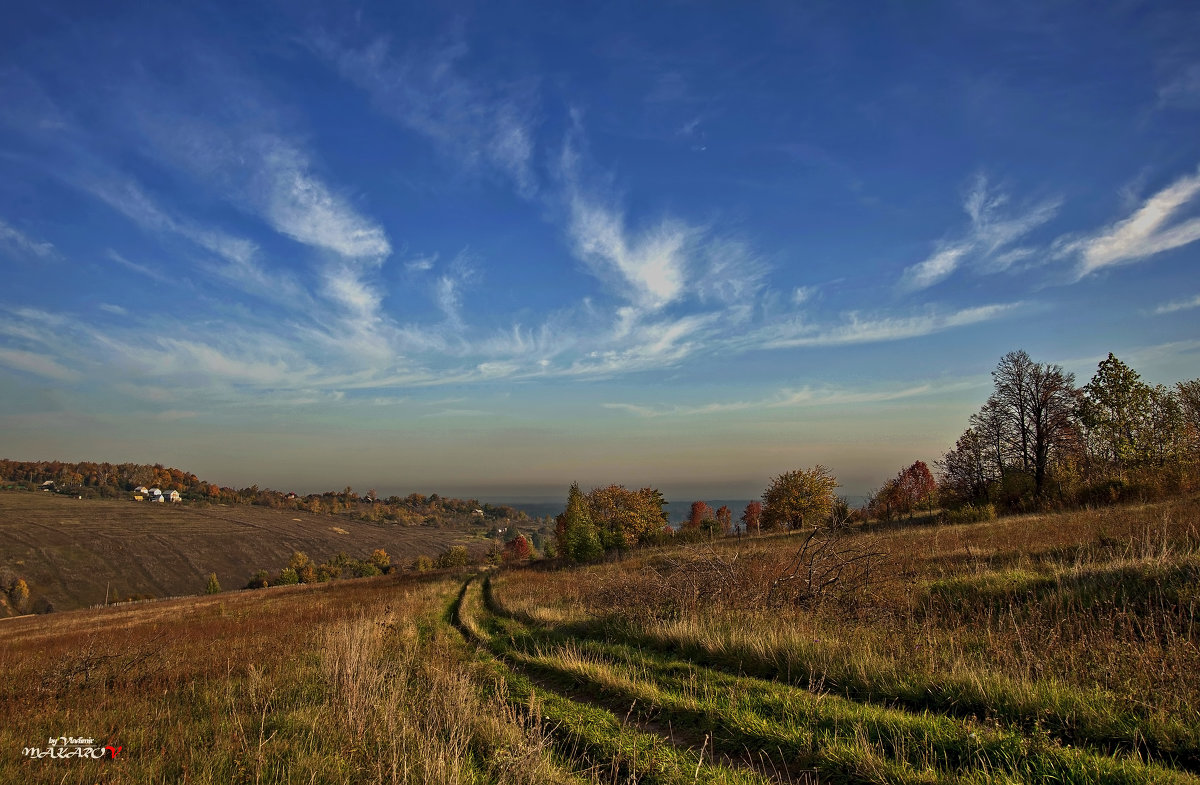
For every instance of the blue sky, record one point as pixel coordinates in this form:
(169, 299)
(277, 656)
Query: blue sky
(493, 248)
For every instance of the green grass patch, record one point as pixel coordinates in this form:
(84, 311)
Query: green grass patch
(959, 748)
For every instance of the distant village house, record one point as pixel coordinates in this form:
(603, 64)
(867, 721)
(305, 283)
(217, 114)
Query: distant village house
(142, 493)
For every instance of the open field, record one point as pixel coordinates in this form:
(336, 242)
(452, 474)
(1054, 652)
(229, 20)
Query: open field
(1030, 649)
(72, 552)
(1036, 648)
(352, 681)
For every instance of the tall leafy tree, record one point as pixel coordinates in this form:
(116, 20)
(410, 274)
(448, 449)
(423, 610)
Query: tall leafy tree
(797, 498)
(578, 539)
(1115, 408)
(624, 518)
(1165, 432)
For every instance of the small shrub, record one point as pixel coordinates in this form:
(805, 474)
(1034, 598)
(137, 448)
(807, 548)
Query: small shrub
(214, 586)
(970, 513)
(366, 570)
(287, 577)
(18, 595)
(456, 556)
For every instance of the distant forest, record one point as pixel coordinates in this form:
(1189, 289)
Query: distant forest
(108, 480)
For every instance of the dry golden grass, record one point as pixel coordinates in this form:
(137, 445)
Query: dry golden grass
(357, 681)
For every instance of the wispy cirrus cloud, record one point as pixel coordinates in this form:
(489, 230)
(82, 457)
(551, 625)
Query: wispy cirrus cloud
(990, 233)
(663, 264)
(141, 269)
(425, 91)
(1183, 90)
(1178, 305)
(23, 243)
(639, 345)
(421, 264)
(37, 364)
(649, 268)
(935, 268)
(232, 141)
(857, 329)
(300, 205)
(795, 398)
(127, 197)
(239, 264)
(1148, 231)
(258, 170)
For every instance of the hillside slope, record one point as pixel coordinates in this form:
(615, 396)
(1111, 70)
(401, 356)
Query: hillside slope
(72, 552)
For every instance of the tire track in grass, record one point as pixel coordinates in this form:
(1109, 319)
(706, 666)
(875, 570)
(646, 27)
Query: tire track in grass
(820, 729)
(1066, 714)
(841, 762)
(587, 732)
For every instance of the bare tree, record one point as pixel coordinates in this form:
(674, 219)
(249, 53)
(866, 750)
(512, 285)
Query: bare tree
(997, 433)
(1050, 404)
(1011, 378)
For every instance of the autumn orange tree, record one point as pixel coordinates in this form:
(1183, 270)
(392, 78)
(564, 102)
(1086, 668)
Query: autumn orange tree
(916, 487)
(752, 517)
(699, 513)
(625, 518)
(797, 498)
(516, 549)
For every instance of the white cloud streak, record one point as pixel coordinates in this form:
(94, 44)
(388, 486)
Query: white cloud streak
(140, 269)
(856, 329)
(425, 92)
(300, 205)
(989, 233)
(789, 399)
(23, 243)
(1144, 233)
(37, 364)
(1183, 90)
(650, 267)
(1178, 305)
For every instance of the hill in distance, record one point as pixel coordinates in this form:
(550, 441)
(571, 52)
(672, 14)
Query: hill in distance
(73, 552)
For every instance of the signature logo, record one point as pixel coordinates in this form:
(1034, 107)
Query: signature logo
(72, 747)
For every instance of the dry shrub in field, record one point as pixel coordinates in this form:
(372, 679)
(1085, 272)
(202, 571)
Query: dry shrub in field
(827, 567)
(96, 664)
